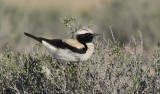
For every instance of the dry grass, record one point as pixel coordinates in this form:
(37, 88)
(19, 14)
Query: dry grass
(116, 67)
(110, 70)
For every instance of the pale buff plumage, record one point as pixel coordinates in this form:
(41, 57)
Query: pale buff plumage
(74, 43)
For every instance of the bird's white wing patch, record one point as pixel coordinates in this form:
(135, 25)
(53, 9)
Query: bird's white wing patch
(58, 53)
(49, 46)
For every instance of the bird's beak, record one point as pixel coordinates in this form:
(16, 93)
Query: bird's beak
(96, 34)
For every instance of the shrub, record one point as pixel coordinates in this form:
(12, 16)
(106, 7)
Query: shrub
(111, 69)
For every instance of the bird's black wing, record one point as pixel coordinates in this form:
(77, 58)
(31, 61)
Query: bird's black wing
(59, 44)
(34, 37)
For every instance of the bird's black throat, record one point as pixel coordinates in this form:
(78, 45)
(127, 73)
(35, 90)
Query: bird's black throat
(85, 38)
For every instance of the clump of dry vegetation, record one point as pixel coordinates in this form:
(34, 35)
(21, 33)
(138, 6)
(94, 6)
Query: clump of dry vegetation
(110, 70)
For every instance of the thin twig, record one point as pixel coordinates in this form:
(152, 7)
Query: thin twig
(112, 34)
(141, 38)
(135, 45)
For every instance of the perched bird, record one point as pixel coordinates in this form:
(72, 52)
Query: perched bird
(79, 48)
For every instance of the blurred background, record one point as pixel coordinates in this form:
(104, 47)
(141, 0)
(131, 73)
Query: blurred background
(42, 18)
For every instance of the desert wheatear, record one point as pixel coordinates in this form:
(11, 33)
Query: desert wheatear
(79, 48)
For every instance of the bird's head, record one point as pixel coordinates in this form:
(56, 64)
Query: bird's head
(85, 35)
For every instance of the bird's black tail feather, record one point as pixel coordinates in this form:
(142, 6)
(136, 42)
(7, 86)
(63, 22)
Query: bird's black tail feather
(34, 37)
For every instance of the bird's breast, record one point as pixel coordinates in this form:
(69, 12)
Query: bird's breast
(89, 52)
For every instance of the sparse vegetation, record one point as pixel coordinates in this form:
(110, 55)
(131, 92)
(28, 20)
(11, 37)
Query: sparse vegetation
(110, 70)
(123, 64)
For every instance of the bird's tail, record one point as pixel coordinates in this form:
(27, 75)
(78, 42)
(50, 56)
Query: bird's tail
(34, 37)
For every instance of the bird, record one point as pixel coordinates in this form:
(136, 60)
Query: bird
(78, 48)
